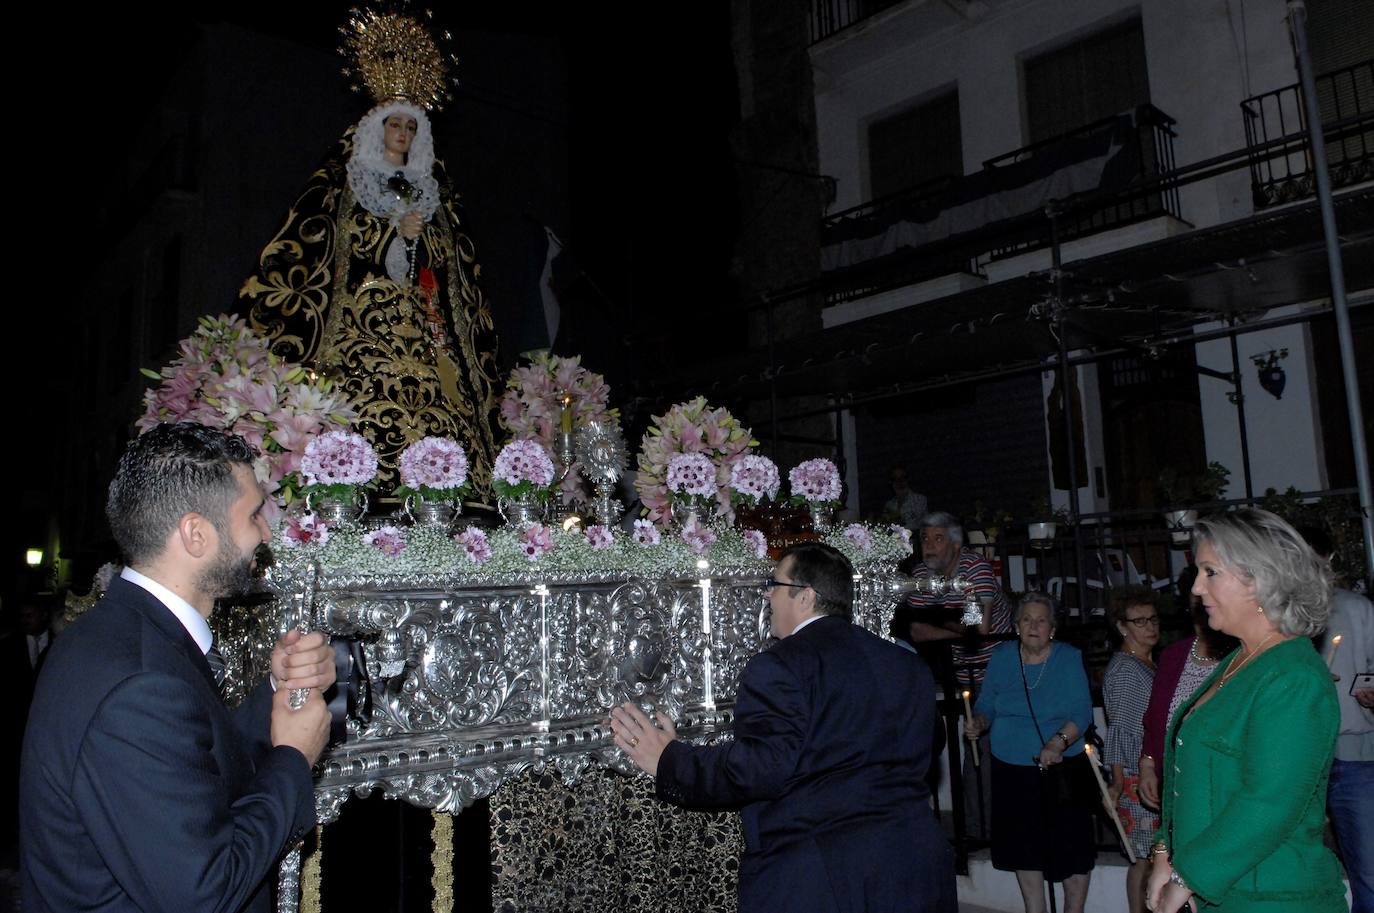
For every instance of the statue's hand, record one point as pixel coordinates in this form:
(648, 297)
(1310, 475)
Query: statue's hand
(411, 226)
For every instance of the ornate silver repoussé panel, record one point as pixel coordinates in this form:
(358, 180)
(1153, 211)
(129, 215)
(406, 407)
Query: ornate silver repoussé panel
(474, 684)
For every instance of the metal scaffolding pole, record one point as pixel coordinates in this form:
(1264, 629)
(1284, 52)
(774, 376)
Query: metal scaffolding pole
(1297, 20)
(1058, 313)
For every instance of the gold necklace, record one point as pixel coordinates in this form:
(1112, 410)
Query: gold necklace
(1236, 667)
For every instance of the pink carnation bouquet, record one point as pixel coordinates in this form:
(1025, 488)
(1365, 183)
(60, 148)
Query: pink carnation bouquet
(435, 468)
(692, 427)
(338, 463)
(815, 482)
(754, 479)
(691, 478)
(225, 376)
(523, 469)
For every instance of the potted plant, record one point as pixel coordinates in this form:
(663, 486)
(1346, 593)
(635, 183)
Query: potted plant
(1045, 527)
(1177, 491)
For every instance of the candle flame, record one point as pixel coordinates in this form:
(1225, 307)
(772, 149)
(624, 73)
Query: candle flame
(967, 693)
(1337, 639)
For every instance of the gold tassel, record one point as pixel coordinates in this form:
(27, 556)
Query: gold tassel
(442, 860)
(310, 875)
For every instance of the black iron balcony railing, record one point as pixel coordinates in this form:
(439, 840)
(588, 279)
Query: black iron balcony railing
(1281, 168)
(943, 226)
(831, 16)
(1146, 153)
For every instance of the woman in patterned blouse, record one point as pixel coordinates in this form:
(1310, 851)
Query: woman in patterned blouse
(1125, 695)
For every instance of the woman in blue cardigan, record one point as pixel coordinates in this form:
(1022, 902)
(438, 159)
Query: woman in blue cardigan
(1035, 699)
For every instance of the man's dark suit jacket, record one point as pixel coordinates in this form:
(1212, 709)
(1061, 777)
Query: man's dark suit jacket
(139, 790)
(832, 740)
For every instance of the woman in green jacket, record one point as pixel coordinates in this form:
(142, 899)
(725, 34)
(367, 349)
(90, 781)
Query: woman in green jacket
(1248, 756)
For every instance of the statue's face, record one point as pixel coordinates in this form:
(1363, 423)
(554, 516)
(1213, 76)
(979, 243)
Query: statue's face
(398, 133)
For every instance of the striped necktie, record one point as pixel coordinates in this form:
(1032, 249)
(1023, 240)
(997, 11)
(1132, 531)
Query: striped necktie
(216, 661)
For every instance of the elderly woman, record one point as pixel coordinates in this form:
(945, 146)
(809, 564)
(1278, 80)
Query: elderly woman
(1035, 700)
(1125, 697)
(1248, 755)
(373, 282)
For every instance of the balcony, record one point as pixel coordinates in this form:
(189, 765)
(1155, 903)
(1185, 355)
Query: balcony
(1280, 154)
(947, 225)
(831, 16)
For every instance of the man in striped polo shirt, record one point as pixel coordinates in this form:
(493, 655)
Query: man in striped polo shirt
(925, 618)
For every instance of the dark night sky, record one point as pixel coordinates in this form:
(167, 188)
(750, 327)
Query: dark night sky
(651, 99)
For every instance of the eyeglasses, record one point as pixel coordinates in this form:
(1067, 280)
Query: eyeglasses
(774, 582)
(1144, 621)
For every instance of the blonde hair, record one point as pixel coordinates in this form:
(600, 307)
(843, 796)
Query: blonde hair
(1292, 582)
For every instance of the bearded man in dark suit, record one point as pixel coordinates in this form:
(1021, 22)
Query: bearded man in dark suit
(832, 741)
(139, 789)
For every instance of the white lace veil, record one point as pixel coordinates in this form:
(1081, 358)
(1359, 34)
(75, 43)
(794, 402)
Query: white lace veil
(369, 171)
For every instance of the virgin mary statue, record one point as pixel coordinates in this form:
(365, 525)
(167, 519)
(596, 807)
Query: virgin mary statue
(372, 281)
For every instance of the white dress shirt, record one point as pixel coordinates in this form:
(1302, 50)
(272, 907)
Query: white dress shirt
(194, 623)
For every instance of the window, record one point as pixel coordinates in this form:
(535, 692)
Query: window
(915, 146)
(1101, 75)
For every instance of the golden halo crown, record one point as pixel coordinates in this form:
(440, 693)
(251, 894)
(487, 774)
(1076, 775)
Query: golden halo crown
(395, 55)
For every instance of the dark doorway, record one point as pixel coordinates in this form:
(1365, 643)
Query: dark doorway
(1151, 419)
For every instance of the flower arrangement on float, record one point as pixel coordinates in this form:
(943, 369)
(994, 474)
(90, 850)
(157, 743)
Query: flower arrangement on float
(434, 468)
(522, 477)
(523, 470)
(693, 427)
(816, 485)
(551, 395)
(815, 482)
(225, 376)
(338, 468)
(754, 479)
(691, 483)
(338, 464)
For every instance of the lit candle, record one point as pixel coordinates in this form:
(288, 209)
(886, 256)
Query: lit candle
(1331, 657)
(968, 715)
(565, 414)
(1107, 801)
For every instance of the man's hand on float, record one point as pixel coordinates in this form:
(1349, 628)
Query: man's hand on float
(638, 737)
(303, 661)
